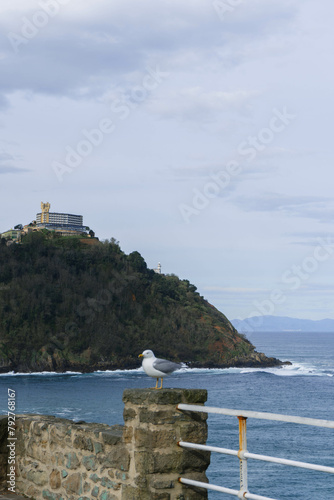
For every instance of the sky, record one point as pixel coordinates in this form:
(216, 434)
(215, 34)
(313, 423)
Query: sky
(197, 133)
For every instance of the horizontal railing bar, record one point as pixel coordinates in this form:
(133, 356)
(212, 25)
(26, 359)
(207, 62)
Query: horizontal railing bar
(292, 463)
(208, 486)
(259, 415)
(205, 447)
(254, 456)
(221, 489)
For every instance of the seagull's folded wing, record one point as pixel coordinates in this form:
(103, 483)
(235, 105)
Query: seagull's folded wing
(165, 366)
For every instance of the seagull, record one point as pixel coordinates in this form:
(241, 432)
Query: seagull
(158, 368)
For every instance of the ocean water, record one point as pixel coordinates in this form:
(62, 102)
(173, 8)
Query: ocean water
(306, 388)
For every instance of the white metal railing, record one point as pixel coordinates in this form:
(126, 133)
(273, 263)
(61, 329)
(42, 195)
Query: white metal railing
(243, 454)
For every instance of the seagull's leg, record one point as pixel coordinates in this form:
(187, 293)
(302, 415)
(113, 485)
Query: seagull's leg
(156, 384)
(161, 383)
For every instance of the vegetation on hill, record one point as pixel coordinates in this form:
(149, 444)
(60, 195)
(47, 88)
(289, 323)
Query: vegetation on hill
(67, 305)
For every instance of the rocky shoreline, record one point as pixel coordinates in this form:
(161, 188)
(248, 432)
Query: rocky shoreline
(56, 365)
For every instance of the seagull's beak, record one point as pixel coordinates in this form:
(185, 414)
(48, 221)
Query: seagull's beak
(140, 356)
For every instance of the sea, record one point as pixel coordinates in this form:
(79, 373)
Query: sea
(305, 388)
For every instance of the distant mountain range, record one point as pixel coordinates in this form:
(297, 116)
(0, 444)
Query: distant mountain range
(282, 324)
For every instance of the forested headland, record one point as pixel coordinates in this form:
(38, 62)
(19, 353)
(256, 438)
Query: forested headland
(67, 305)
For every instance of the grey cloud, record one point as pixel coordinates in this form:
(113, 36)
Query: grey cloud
(258, 17)
(4, 104)
(310, 234)
(68, 55)
(9, 169)
(65, 66)
(205, 174)
(85, 56)
(318, 208)
(254, 26)
(205, 171)
(196, 103)
(311, 238)
(6, 166)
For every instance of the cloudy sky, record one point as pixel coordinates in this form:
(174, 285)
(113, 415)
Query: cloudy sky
(198, 133)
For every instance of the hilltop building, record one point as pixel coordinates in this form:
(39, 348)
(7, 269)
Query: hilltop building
(60, 223)
(12, 235)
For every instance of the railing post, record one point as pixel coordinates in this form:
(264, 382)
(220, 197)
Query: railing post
(241, 455)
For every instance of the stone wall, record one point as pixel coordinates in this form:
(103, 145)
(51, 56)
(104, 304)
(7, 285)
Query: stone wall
(58, 459)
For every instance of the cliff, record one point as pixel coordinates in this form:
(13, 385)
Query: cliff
(69, 306)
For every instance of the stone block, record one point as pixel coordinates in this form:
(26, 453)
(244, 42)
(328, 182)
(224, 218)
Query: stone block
(107, 483)
(144, 463)
(162, 484)
(38, 477)
(83, 443)
(129, 414)
(195, 460)
(147, 462)
(90, 462)
(120, 475)
(107, 495)
(36, 428)
(55, 479)
(49, 495)
(161, 496)
(72, 461)
(73, 484)
(193, 415)
(94, 477)
(131, 493)
(86, 486)
(161, 416)
(98, 447)
(194, 432)
(35, 449)
(148, 438)
(113, 435)
(23, 424)
(59, 458)
(32, 492)
(167, 462)
(192, 493)
(141, 481)
(173, 462)
(117, 458)
(95, 491)
(60, 434)
(164, 396)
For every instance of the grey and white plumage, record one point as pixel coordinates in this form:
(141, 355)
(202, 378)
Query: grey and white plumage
(156, 367)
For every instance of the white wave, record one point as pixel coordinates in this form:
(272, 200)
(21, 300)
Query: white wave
(284, 371)
(22, 374)
(293, 370)
(119, 372)
(217, 371)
